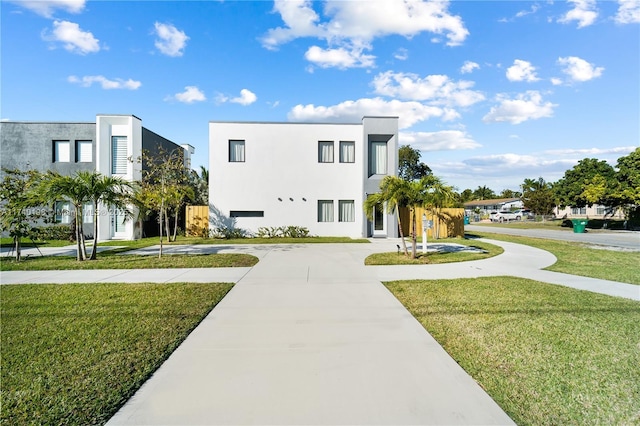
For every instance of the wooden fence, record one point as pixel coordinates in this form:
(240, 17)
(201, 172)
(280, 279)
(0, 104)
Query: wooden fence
(197, 221)
(447, 223)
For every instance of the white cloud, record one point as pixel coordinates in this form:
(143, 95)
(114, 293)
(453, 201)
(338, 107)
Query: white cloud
(340, 58)
(190, 95)
(534, 9)
(526, 106)
(584, 11)
(578, 69)
(581, 152)
(468, 67)
(350, 25)
(47, 8)
(522, 71)
(72, 38)
(118, 83)
(247, 97)
(401, 54)
(445, 140)
(171, 41)
(408, 113)
(438, 89)
(628, 12)
(556, 81)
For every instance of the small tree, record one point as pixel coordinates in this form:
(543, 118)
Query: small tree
(163, 179)
(17, 196)
(538, 196)
(437, 197)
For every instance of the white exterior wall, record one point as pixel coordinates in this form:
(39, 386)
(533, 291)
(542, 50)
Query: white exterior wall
(282, 177)
(106, 127)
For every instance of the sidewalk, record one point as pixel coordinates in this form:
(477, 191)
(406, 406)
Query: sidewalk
(310, 336)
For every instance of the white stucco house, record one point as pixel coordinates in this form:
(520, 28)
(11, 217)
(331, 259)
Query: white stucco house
(313, 175)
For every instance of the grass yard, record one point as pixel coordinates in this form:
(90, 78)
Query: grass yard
(73, 354)
(578, 259)
(393, 258)
(546, 354)
(112, 261)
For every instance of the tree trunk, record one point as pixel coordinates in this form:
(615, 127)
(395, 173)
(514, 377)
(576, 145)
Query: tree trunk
(94, 250)
(16, 241)
(81, 252)
(160, 222)
(413, 235)
(175, 225)
(167, 225)
(404, 243)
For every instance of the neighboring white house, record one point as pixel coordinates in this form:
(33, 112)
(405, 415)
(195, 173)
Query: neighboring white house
(596, 211)
(313, 175)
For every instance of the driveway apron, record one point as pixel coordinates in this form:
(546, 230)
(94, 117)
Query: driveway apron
(310, 336)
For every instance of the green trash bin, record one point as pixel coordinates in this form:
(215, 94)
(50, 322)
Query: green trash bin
(466, 220)
(579, 225)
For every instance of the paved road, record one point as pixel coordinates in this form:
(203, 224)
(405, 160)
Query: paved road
(627, 240)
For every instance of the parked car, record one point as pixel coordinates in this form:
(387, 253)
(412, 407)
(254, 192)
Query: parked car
(524, 214)
(504, 215)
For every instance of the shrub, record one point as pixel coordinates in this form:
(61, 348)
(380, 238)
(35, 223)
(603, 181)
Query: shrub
(283, 232)
(230, 233)
(54, 232)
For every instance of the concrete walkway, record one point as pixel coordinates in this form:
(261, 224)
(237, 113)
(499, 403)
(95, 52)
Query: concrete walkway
(311, 336)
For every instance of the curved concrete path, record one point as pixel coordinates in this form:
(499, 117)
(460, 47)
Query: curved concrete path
(311, 336)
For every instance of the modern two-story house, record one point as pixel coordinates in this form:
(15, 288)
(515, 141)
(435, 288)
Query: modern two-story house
(313, 175)
(109, 146)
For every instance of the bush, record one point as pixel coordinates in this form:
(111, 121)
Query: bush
(229, 233)
(283, 232)
(54, 232)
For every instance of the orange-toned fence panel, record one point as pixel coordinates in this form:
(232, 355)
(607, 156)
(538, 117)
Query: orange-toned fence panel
(447, 223)
(197, 221)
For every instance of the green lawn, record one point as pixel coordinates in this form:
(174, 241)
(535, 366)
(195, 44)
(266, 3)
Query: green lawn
(113, 261)
(548, 355)
(73, 354)
(393, 258)
(578, 259)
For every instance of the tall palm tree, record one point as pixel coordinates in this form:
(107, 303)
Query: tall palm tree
(393, 192)
(109, 191)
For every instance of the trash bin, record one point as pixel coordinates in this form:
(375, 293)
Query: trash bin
(579, 225)
(466, 220)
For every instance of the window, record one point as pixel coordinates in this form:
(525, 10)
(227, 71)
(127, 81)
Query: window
(346, 211)
(119, 155)
(601, 210)
(325, 210)
(578, 210)
(62, 212)
(347, 152)
(87, 212)
(61, 152)
(377, 158)
(84, 152)
(246, 213)
(325, 152)
(236, 151)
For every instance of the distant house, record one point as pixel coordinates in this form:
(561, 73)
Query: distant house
(109, 146)
(594, 212)
(313, 175)
(497, 204)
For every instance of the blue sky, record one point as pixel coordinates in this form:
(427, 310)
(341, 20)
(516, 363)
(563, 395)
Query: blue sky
(491, 92)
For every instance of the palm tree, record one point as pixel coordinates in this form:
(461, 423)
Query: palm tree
(110, 191)
(55, 186)
(392, 193)
(438, 196)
